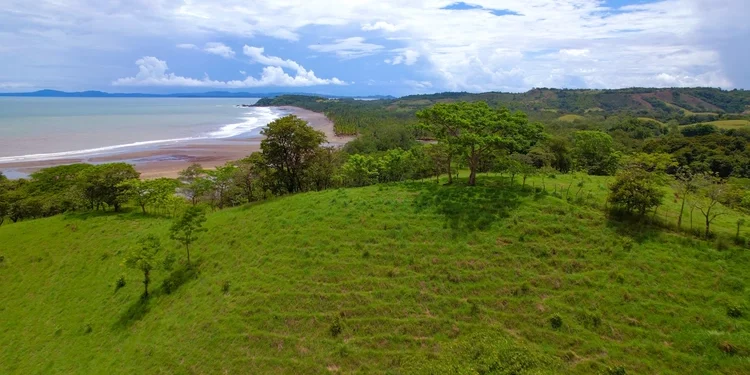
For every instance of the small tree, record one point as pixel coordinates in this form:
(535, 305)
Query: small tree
(684, 186)
(360, 170)
(635, 191)
(144, 258)
(708, 200)
(187, 228)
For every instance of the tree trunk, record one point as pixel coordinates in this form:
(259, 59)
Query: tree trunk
(146, 280)
(473, 177)
(143, 208)
(450, 172)
(708, 227)
(682, 209)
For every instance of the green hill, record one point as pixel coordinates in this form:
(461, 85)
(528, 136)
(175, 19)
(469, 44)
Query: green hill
(384, 279)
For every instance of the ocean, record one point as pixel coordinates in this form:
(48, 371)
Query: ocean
(34, 129)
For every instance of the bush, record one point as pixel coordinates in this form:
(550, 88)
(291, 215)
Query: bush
(734, 311)
(225, 287)
(617, 370)
(336, 327)
(556, 321)
(634, 191)
(120, 283)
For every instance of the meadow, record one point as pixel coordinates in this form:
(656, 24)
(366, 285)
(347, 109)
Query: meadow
(412, 277)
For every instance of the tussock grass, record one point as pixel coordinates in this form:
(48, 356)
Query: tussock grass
(383, 279)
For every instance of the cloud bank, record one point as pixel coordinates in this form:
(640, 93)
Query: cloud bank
(478, 46)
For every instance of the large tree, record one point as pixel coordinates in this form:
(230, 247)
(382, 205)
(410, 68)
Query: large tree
(147, 193)
(474, 130)
(594, 153)
(289, 147)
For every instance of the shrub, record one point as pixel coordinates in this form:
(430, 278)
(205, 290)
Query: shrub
(336, 327)
(617, 370)
(225, 287)
(120, 283)
(734, 311)
(556, 321)
(635, 191)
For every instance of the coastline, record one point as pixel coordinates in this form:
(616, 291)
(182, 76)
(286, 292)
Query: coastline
(169, 160)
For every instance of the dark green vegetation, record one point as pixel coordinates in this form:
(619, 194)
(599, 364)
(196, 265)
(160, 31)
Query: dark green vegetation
(563, 249)
(390, 278)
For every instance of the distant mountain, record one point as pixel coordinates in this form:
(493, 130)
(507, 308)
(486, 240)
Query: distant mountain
(212, 94)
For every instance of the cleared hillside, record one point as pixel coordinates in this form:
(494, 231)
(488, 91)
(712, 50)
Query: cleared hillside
(384, 279)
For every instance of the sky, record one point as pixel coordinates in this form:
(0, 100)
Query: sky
(370, 47)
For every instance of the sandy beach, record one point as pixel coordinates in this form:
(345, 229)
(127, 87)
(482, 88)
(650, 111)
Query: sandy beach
(169, 160)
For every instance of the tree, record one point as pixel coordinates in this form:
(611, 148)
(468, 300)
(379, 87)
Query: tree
(684, 185)
(635, 190)
(711, 192)
(594, 153)
(220, 183)
(194, 183)
(146, 193)
(559, 148)
(289, 147)
(360, 170)
(187, 228)
(320, 173)
(475, 130)
(103, 184)
(524, 166)
(144, 258)
(440, 159)
(394, 166)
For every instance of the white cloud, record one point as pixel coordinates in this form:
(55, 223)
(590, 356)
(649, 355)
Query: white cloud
(219, 49)
(380, 25)
(406, 57)
(14, 85)
(244, 73)
(187, 46)
(583, 52)
(154, 72)
(348, 48)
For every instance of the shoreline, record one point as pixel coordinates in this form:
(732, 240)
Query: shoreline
(169, 160)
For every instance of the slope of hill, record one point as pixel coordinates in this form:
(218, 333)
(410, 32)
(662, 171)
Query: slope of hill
(384, 279)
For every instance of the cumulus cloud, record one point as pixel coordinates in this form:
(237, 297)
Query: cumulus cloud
(406, 57)
(219, 49)
(348, 48)
(187, 46)
(154, 72)
(380, 25)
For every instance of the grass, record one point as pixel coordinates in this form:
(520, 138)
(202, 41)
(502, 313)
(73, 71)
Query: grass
(384, 279)
(730, 124)
(570, 118)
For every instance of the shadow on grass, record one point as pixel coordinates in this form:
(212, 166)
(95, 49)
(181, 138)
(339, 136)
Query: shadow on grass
(638, 228)
(140, 308)
(469, 208)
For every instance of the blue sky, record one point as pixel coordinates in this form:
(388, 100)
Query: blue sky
(371, 46)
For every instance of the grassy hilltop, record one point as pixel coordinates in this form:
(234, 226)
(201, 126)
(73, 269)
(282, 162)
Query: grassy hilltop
(393, 278)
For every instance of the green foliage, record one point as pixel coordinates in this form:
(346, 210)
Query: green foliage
(145, 259)
(188, 227)
(360, 170)
(593, 153)
(288, 148)
(474, 131)
(103, 184)
(555, 321)
(150, 193)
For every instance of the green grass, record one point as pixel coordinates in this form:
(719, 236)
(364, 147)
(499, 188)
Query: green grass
(651, 119)
(413, 275)
(570, 118)
(730, 124)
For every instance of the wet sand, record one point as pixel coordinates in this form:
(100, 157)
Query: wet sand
(169, 160)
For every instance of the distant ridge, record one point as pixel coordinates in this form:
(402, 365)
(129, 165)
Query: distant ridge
(211, 94)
